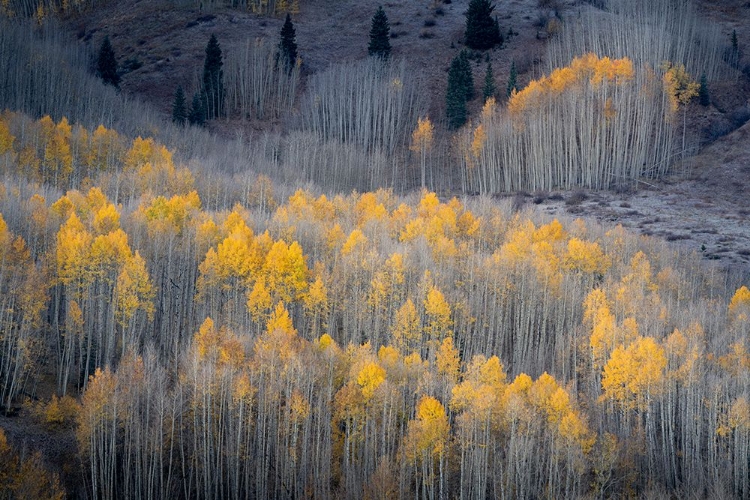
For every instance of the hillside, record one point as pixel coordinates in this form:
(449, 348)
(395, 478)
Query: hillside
(168, 43)
(337, 288)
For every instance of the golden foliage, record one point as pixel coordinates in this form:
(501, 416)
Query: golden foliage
(428, 434)
(447, 360)
(369, 378)
(406, 331)
(438, 315)
(587, 69)
(356, 244)
(739, 306)
(586, 257)
(6, 138)
(421, 138)
(678, 85)
(634, 374)
(280, 320)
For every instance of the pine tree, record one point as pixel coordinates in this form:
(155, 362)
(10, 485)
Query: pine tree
(380, 44)
(489, 83)
(456, 95)
(179, 107)
(512, 79)
(213, 80)
(703, 96)
(106, 64)
(482, 31)
(288, 44)
(197, 115)
(466, 75)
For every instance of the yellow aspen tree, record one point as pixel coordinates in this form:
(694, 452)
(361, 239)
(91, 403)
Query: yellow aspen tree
(680, 89)
(601, 321)
(480, 391)
(739, 306)
(634, 374)
(356, 244)
(206, 340)
(108, 253)
(389, 358)
(5, 236)
(369, 378)
(478, 142)
(141, 152)
(334, 239)
(280, 320)
(736, 361)
(286, 271)
(369, 207)
(438, 320)
(235, 259)
(134, 290)
(73, 245)
(406, 333)
(6, 138)
(58, 159)
(429, 433)
(316, 304)
(106, 219)
(448, 361)
(421, 142)
(259, 300)
(106, 148)
(586, 257)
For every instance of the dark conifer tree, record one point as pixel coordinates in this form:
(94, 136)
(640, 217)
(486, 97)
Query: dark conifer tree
(197, 115)
(456, 94)
(179, 107)
(213, 80)
(466, 75)
(482, 31)
(106, 64)
(489, 83)
(288, 44)
(380, 32)
(512, 79)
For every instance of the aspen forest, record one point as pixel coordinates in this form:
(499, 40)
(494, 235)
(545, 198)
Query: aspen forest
(327, 290)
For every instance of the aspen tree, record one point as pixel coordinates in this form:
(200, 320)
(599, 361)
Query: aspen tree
(421, 142)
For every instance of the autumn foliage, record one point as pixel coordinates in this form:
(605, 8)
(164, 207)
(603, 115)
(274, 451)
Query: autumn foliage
(351, 345)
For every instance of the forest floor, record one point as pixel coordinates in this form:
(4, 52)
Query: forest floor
(704, 206)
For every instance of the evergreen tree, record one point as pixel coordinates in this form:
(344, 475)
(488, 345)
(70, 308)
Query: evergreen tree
(197, 115)
(482, 31)
(489, 83)
(735, 45)
(458, 91)
(213, 80)
(466, 75)
(179, 107)
(512, 79)
(703, 96)
(288, 44)
(106, 64)
(380, 43)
